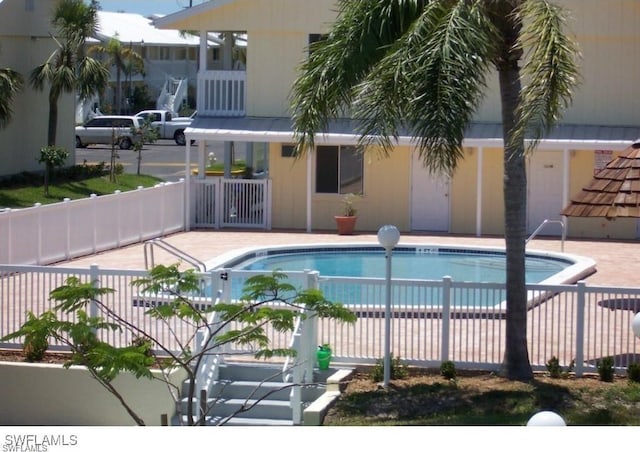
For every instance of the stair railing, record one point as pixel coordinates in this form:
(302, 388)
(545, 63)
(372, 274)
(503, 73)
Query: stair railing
(209, 370)
(149, 256)
(546, 222)
(298, 370)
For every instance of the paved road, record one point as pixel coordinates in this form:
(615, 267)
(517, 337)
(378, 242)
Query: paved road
(163, 159)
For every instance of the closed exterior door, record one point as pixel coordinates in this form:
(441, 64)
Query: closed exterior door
(545, 201)
(429, 199)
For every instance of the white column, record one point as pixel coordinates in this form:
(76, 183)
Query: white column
(479, 192)
(309, 187)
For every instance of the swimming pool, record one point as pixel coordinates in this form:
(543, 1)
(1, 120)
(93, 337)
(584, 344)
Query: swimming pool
(409, 262)
(354, 274)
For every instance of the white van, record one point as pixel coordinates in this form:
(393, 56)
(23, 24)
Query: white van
(108, 130)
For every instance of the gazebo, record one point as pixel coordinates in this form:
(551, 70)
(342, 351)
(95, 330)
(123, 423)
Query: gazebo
(614, 191)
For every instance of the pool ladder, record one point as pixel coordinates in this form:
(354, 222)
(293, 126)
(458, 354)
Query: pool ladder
(546, 222)
(149, 257)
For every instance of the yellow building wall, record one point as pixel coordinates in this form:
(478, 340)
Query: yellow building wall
(463, 194)
(289, 188)
(492, 209)
(385, 199)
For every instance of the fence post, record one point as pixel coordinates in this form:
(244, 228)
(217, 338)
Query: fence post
(39, 259)
(580, 319)
(94, 219)
(446, 317)
(95, 283)
(310, 333)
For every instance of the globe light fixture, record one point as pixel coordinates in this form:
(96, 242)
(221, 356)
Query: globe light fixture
(388, 237)
(546, 419)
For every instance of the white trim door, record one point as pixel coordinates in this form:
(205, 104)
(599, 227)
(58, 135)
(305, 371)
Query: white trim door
(545, 173)
(429, 199)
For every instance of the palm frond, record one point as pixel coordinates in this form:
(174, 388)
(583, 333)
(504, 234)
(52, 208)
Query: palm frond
(430, 84)
(10, 83)
(358, 39)
(92, 77)
(550, 70)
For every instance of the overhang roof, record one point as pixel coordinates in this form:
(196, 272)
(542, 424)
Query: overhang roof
(341, 131)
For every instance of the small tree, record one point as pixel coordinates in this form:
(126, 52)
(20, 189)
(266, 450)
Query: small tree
(52, 157)
(242, 322)
(147, 133)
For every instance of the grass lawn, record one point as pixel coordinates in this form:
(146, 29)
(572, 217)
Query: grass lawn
(21, 195)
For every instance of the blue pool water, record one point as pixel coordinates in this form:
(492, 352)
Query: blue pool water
(407, 263)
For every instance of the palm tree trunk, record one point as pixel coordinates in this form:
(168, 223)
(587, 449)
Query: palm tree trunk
(118, 91)
(53, 119)
(517, 365)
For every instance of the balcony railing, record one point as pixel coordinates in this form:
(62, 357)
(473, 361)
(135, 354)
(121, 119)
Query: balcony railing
(222, 93)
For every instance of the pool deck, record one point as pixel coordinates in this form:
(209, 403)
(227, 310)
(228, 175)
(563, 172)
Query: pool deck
(617, 261)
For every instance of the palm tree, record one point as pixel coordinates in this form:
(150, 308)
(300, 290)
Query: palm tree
(125, 60)
(421, 66)
(10, 83)
(68, 69)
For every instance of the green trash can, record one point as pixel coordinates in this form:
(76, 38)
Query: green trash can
(323, 356)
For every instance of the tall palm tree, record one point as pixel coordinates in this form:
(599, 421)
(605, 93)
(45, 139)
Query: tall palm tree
(10, 83)
(422, 66)
(68, 69)
(124, 59)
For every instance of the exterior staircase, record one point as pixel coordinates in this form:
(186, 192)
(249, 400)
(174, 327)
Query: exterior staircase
(253, 394)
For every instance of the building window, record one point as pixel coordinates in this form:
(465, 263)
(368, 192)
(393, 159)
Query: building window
(288, 150)
(180, 53)
(339, 169)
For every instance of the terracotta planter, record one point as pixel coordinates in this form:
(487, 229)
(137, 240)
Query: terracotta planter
(346, 225)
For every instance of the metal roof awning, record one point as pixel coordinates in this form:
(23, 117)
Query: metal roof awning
(344, 131)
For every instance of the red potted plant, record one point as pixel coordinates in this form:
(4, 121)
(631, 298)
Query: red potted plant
(346, 222)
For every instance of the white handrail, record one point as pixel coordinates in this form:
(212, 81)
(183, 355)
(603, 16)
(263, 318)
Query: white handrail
(546, 222)
(148, 246)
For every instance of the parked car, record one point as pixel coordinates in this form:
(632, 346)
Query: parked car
(169, 126)
(107, 130)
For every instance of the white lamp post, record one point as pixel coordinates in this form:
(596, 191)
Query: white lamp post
(635, 325)
(546, 419)
(388, 237)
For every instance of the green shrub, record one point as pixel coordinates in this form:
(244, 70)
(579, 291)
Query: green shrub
(555, 369)
(399, 371)
(605, 369)
(448, 370)
(633, 372)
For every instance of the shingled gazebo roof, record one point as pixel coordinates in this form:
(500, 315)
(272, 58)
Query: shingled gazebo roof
(614, 191)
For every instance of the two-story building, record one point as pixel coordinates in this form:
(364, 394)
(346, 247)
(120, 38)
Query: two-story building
(26, 42)
(250, 108)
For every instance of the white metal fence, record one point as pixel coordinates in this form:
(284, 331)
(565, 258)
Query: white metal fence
(432, 321)
(50, 233)
(219, 203)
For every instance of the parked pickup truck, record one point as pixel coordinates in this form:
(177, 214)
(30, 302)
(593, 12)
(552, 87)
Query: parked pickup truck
(169, 127)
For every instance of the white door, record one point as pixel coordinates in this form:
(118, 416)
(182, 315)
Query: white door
(429, 199)
(545, 175)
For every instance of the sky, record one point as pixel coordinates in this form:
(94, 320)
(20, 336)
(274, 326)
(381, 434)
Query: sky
(147, 7)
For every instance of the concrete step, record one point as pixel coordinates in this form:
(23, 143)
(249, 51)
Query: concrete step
(261, 390)
(271, 409)
(250, 372)
(246, 422)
